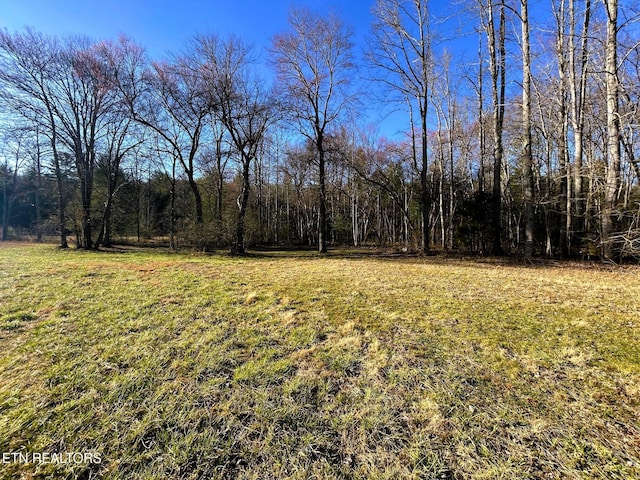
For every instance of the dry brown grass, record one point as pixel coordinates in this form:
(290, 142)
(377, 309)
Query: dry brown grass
(289, 365)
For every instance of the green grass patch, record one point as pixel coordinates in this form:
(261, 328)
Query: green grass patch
(288, 365)
(11, 321)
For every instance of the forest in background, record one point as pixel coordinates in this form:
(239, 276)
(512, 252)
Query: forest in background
(531, 150)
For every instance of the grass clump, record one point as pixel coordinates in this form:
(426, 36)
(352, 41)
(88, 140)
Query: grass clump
(287, 366)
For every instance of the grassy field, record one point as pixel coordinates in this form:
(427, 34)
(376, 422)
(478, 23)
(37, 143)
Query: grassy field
(288, 365)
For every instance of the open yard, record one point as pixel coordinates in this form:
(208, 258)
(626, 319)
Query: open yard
(288, 365)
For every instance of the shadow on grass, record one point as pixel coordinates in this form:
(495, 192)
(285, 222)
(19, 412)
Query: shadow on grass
(389, 254)
(435, 257)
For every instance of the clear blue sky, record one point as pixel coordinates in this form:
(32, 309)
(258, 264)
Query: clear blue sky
(163, 26)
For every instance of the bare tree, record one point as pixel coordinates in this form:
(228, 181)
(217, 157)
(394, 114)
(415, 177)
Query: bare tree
(445, 102)
(578, 100)
(62, 86)
(527, 154)
(242, 106)
(38, 188)
(629, 77)
(613, 128)
(27, 63)
(382, 166)
(497, 66)
(221, 154)
(120, 135)
(401, 50)
(14, 156)
(86, 93)
(171, 98)
(120, 143)
(314, 65)
(560, 14)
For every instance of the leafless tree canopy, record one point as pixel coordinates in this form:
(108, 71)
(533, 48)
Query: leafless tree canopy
(526, 146)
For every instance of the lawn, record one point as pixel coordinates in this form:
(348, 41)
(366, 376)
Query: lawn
(290, 365)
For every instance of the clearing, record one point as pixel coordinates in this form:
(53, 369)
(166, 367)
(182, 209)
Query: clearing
(291, 365)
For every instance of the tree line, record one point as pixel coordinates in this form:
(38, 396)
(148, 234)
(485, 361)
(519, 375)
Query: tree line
(528, 149)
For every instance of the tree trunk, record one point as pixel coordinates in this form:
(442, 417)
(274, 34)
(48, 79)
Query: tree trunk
(526, 124)
(219, 180)
(197, 198)
(564, 205)
(577, 92)
(355, 225)
(84, 166)
(425, 197)
(481, 139)
(243, 200)
(38, 208)
(322, 207)
(613, 130)
(59, 180)
(85, 193)
(104, 236)
(61, 200)
(497, 56)
(5, 203)
(172, 210)
(452, 126)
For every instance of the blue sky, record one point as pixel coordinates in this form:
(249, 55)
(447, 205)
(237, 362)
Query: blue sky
(163, 26)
